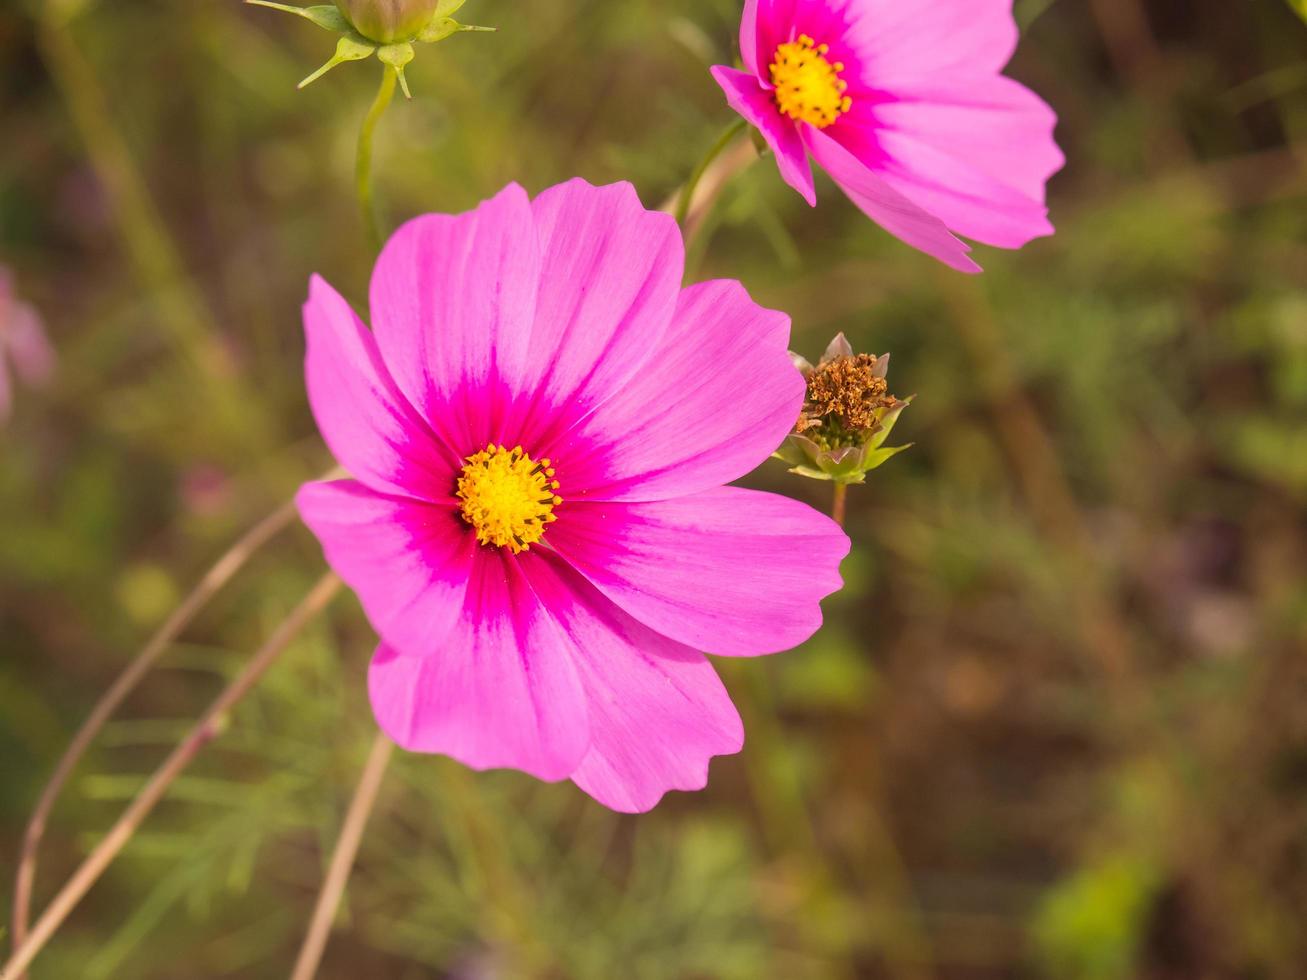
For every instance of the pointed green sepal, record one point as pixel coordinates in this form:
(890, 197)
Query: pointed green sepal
(447, 8)
(443, 27)
(397, 56)
(325, 15)
(347, 49)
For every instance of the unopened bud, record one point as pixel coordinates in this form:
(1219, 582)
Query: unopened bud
(389, 21)
(385, 28)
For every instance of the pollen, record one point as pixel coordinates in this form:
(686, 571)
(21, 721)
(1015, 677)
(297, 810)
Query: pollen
(508, 497)
(808, 86)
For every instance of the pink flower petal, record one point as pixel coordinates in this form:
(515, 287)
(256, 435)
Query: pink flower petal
(658, 712)
(29, 347)
(749, 40)
(716, 397)
(610, 275)
(6, 392)
(772, 25)
(368, 425)
(408, 561)
(831, 22)
(756, 105)
(993, 123)
(453, 304)
(923, 37)
(499, 690)
(727, 571)
(966, 199)
(886, 206)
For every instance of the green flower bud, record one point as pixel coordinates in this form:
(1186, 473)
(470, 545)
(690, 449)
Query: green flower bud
(385, 28)
(388, 21)
(847, 416)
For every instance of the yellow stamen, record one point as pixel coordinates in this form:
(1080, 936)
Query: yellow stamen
(508, 497)
(808, 87)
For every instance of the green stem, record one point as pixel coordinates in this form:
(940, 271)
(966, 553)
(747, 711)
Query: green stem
(363, 167)
(840, 503)
(687, 192)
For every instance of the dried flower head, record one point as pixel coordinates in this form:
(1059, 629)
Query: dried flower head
(386, 28)
(848, 390)
(847, 416)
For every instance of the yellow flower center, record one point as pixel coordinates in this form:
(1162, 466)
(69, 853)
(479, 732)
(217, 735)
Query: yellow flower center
(808, 87)
(508, 497)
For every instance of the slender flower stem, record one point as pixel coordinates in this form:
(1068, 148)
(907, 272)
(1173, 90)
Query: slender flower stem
(214, 579)
(839, 504)
(342, 859)
(363, 164)
(204, 731)
(686, 198)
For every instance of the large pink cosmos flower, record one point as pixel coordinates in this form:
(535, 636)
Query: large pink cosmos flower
(540, 423)
(902, 102)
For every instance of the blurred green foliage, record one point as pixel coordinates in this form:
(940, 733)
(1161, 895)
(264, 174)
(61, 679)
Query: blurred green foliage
(1054, 725)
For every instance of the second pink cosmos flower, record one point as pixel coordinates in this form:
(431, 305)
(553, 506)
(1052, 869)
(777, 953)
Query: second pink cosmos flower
(903, 103)
(539, 425)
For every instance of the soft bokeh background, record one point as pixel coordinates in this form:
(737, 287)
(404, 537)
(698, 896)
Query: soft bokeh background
(1056, 725)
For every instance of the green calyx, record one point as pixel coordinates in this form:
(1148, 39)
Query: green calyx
(385, 28)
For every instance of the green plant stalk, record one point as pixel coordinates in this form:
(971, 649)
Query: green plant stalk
(686, 198)
(363, 163)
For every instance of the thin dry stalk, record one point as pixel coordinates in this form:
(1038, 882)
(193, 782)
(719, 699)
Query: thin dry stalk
(204, 731)
(342, 859)
(216, 577)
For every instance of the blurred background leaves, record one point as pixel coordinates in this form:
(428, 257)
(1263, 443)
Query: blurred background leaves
(1054, 726)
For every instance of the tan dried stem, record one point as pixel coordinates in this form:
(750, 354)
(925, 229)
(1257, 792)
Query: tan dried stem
(342, 859)
(204, 731)
(213, 581)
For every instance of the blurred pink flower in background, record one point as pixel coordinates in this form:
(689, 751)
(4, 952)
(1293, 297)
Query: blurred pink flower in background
(903, 104)
(207, 490)
(23, 344)
(540, 423)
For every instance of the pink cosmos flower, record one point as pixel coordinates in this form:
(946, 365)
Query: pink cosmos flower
(539, 425)
(902, 102)
(22, 342)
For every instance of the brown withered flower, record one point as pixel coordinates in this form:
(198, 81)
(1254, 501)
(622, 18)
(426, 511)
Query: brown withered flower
(847, 416)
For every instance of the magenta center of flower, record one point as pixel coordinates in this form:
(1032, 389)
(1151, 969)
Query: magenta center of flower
(808, 86)
(507, 497)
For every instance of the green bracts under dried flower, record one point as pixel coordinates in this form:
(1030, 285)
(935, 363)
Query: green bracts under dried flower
(386, 28)
(847, 416)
